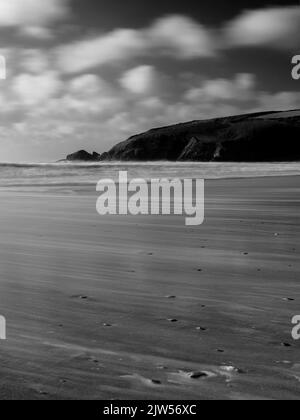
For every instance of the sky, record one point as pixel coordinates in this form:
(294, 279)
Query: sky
(87, 74)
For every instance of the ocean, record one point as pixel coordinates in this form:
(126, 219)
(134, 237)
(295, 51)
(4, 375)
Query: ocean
(16, 175)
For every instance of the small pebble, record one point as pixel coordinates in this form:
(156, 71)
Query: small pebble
(286, 345)
(198, 375)
(156, 382)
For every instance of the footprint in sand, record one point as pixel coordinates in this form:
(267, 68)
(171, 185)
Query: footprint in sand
(43, 393)
(81, 297)
(143, 380)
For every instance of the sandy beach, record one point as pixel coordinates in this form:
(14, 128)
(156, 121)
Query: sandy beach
(122, 307)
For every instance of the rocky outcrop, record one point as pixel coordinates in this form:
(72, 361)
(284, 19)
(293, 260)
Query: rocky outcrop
(260, 137)
(83, 156)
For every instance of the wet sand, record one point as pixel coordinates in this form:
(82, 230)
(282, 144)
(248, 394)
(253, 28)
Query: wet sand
(146, 308)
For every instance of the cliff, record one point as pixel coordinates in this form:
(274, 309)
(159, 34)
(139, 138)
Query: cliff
(260, 137)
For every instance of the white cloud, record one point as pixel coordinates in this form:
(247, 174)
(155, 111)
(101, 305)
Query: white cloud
(280, 101)
(35, 89)
(31, 13)
(182, 37)
(142, 80)
(115, 46)
(276, 27)
(177, 36)
(239, 88)
(38, 32)
(88, 85)
(34, 61)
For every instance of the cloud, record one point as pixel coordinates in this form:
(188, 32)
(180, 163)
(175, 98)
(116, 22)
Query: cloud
(182, 37)
(38, 32)
(142, 80)
(35, 89)
(177, 36)
(115, 46)
(275, 27)
(31, 13)
(34, 61)
(280, 101)
(239, 88)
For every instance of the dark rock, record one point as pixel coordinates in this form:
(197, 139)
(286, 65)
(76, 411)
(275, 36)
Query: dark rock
(83, 156)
